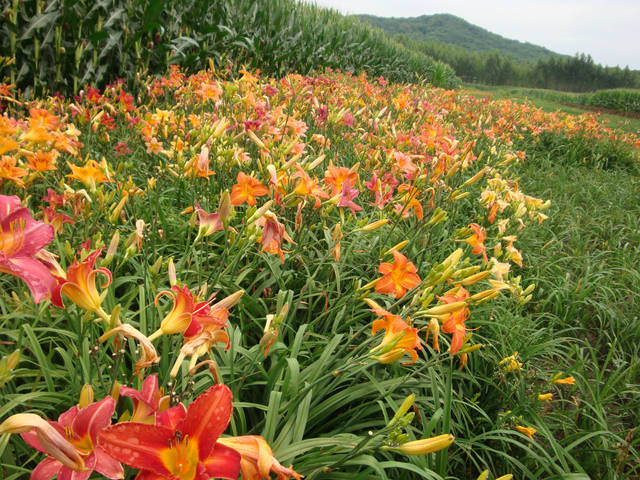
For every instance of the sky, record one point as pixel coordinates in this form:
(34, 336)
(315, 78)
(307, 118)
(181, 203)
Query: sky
(609, 31)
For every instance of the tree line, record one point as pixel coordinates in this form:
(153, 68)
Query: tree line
(576, 74)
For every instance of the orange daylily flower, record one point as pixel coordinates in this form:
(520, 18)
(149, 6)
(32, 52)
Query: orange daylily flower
(565, 381)
(246, 190)
(79, 286)
(90, 174)
(179, 318)
(336, 176)
(7, 144)
(308, 187)
(455, 321)
(42, 161)
(399, 337)
(476, 240)
(256, 458)
(10, 171)
(528, 431)
(397, 277)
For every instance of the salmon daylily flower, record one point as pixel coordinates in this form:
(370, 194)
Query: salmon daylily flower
(455, 321)
(398, 277)
(476, 240)
(273, 232)
(256, 458)
(247, 189)
(399, 337)
(182, 446)
(206, 330)
(77, 430)
(146, 401)
(79, 286)
(21, 239)
(208, 223)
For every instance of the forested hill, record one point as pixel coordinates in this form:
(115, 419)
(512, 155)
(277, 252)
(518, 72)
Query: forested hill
(446, 28)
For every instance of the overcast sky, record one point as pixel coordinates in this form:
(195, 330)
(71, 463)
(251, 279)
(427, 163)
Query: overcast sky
(607, 30)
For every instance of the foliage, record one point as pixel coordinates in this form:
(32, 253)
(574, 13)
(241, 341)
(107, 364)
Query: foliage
(310, 232)
(448, 29)
(61, 45)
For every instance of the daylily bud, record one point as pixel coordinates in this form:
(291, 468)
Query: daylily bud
(155, 268)
(86, 396)
(508, 476)
(438, 216)
(260, 211)
(225, 208)
(115, 214)
(424, 446)
(173, 278)
(484, 296)
(373, 225)
(453, 258)
(115, 391)
(12, 360)
(484, 475)
(113, 248)
(51, 440)
(404, 408)
(397, 247)
(229, 301)
(475, 278)
(442, 309)
(474, 179)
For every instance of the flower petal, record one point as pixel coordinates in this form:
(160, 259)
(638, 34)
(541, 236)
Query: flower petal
(223, 462)
(107, 465)
(93, 418)
(38, 278)
(137, 445)
(46, 469)
(207, 417)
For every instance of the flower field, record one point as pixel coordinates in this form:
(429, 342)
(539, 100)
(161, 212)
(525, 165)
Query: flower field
(312, 276)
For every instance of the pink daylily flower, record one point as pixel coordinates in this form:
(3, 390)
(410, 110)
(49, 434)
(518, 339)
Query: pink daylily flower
(80, 427)
(21, 238)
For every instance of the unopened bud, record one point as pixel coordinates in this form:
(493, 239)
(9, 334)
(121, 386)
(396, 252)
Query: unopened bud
(86, 396)
(424, 446)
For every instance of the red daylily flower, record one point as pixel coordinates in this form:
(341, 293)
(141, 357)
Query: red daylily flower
(398, 277)
(21, 238)
(80, 427)
(184, 448)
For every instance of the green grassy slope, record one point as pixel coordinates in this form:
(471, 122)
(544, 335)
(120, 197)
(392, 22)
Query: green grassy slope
(450, 29)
